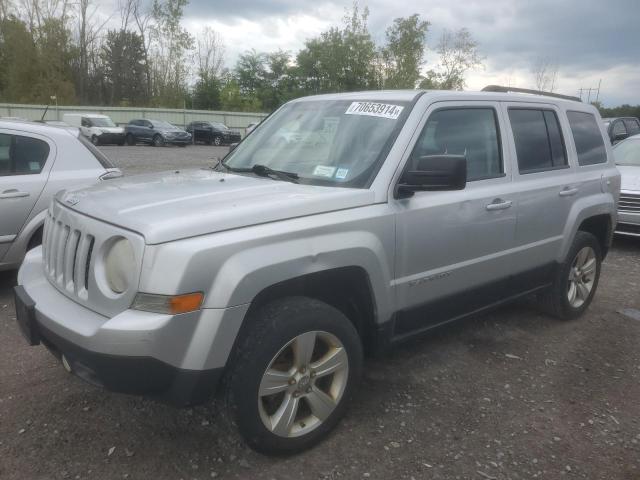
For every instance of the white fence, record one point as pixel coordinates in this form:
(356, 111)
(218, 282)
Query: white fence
(121, 115)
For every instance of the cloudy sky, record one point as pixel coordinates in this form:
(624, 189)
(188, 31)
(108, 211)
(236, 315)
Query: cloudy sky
(590, 40)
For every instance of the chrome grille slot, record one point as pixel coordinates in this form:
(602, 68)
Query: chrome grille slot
(60, 251)
(70, 260)
(71, 244)
(629, 203)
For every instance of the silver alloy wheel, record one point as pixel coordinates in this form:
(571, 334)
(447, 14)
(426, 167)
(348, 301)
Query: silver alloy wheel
(303, 384)
(582, 277)
(217, 141)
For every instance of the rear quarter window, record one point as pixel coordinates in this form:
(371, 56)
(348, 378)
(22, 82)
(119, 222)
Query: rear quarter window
(587, 138)
(633, 126)
(97, 154)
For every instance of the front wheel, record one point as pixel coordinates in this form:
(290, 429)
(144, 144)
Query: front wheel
(293, 375)
(95, 140)
(576, 280)
(217, 141)
(130, 140)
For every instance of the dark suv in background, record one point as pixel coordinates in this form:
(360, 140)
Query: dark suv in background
(156, 133)
(212, 133)
(620, 128)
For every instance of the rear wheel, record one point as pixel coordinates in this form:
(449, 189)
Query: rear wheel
(294, 374)
(576, 279)
(130, 140)
(158, 141)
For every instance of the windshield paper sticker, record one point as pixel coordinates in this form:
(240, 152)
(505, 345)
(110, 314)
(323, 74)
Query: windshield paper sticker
(324, 171)
(373, 109)
(342, 173)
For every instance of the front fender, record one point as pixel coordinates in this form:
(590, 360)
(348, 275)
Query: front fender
(233, 267)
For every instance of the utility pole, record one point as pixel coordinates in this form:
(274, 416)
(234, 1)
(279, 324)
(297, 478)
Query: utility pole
(589, 90)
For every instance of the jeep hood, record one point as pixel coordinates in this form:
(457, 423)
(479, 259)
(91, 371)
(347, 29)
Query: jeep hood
(168, 206)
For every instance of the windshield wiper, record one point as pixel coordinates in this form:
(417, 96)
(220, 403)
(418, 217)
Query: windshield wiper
(265, 171)
(260, 170)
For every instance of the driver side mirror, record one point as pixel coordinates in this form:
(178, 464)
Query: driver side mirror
(434, 172)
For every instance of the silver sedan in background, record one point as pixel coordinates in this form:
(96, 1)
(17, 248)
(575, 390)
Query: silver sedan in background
(36, 161)
(627, 154)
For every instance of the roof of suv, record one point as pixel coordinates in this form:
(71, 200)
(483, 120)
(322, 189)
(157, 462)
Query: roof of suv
(410, 95)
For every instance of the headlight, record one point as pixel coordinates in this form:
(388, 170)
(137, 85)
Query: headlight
(118, 264)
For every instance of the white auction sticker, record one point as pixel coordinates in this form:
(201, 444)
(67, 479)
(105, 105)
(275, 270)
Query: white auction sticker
(372, 109)
(324, 171)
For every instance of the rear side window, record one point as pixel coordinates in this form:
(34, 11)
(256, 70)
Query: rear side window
(472, 132)
(21, 155)
(587, 137)
(538, 139)
(633, 127)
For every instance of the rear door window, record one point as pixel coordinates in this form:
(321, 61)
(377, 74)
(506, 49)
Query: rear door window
(22, 155)
(587, 137)
(538, 139)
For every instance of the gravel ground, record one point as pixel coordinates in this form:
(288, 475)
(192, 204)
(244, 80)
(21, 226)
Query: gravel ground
(509, 395)
(143, 158)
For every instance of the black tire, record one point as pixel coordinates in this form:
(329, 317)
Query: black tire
(555, 301)
(36, 239)
(182, 144)
(130, 140)
(217, 140)
(272, 327)
(95, 140)
(121, 144)
(157, 141)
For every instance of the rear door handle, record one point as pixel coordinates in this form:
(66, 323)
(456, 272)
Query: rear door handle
(499, 204)
(13, 194)
(568, 191)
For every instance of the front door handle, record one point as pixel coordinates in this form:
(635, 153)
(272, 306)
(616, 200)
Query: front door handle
(13, 194)
(499, 204)
(568, 191)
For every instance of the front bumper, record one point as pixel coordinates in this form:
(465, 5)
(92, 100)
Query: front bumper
(176, 358)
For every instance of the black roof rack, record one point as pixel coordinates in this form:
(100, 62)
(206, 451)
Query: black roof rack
(499, 88)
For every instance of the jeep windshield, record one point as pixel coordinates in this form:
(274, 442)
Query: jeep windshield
(335, 143)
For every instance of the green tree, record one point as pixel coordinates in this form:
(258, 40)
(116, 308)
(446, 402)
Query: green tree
(170, 48)
(458, 53)
(124, 68)
(340, 59)
(403, 54)
(19, 61)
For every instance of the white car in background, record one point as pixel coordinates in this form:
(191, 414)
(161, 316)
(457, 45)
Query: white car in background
(627, 155)
(36, 161)
(100, 129)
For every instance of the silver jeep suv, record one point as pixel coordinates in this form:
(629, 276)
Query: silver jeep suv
(383, 215)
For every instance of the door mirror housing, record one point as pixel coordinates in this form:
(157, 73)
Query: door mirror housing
(434, 172)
